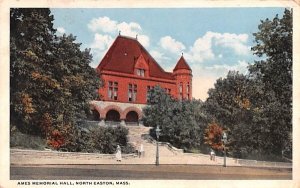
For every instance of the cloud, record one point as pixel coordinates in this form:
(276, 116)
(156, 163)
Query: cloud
(159, 56)
(99, 47)
(130, 29)
(171, 45)
(202, 48)
(105, 31)
(222, 70)
(144, 40)
(61, 30)
(101, 42)
(104, 24)
(112, 27)
(205, 77)
(237, 42)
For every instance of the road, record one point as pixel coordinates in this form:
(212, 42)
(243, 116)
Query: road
(144, 172)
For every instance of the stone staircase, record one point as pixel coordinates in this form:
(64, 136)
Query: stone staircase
(138, 135)
(135, 138)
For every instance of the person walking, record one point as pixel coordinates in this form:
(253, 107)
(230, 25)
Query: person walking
(212, 155)
(142, 152)
(119, 154)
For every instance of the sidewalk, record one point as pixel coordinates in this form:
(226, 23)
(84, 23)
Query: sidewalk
(33, 157)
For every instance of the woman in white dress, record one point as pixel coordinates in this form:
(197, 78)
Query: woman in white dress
(142, 150)
(119, 154)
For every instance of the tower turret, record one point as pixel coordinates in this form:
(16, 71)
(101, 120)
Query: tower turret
(183, 75)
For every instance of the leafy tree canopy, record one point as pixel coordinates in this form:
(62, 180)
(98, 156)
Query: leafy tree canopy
(51, 81)
(180, 122)
(257, 107)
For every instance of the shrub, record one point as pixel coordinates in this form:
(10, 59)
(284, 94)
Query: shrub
(25, 141)
(106, 139)
(92, 139)
(182, 123)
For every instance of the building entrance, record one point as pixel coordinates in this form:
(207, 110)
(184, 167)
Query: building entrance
(113, 116)
(132, 118)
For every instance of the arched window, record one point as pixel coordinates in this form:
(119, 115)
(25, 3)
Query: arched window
(132, 118)
(93, 115)
(112, 115)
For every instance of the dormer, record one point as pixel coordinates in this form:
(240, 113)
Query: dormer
(141, 67)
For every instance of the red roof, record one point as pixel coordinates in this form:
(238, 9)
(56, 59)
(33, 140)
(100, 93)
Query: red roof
(122, 55)
(182, 64)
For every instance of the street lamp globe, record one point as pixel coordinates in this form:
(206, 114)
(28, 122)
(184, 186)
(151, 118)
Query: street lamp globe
(224, 137)
(157, 130)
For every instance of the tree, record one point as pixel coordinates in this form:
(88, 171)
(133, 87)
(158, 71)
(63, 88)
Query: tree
(274, 73)
(51, 80)
(229, 105)
(213, 136)
(31, 33)
(228, 98)
(181, 122)
(257, 107)
(158, 105)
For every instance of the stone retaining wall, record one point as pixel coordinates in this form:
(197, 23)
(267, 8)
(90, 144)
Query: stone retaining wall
(64, 155)
(245, 162)
(18, 154)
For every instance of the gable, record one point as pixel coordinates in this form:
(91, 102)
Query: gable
(141, 63)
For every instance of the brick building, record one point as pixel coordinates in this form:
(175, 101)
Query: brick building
(128, 72)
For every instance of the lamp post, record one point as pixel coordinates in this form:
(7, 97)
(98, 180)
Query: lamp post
(157, 130)
(224, 140)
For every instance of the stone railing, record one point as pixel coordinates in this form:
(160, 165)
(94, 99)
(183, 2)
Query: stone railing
(255, 163)
(166, 144)
(233, 161)
(91, 123)
(245, 162)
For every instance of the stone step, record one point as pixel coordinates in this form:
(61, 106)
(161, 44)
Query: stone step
(135, 137)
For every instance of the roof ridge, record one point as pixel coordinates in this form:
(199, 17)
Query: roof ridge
(127, 37)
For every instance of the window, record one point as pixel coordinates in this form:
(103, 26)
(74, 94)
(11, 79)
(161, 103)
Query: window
(180, 87)
(148, 92)
(140, 72)
(180, 91)
(113, 90)
(168, 91)
(188, 90)
(132, 91)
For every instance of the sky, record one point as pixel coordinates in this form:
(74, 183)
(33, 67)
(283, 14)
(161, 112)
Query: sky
(212, 40)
